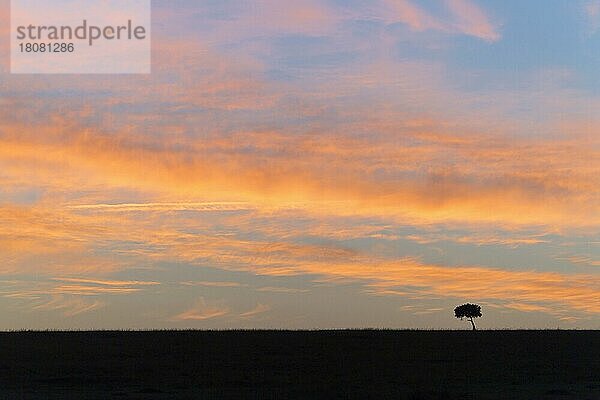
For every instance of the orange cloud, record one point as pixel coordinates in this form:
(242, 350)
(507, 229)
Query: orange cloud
(485, 179)
(51, 241)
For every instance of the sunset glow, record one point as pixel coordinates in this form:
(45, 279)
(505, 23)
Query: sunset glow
(311, 164)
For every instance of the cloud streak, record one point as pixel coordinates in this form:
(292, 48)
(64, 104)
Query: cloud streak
(472, 20)
(465, 18)
(70, 306)
(259, 309)
(201, 311)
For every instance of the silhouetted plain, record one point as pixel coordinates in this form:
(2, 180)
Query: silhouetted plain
(301, 365)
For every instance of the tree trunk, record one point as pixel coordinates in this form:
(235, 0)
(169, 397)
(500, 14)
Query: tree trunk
(472, 323)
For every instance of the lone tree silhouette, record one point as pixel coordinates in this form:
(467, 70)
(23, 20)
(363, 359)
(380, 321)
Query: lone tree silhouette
(468, 311)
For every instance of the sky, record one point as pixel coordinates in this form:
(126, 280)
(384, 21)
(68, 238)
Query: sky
(312, 164)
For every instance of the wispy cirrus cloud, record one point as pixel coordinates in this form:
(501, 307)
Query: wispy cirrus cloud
(579, 259)
(414, 16)
(465, 17)
(202, 311)
(70, 306)
(512, 240)
(278, 289)
(71, 296)
(526, 307)
(206, 206)
(106, 282)
(472, 20)
(214, 284)
(259, 309)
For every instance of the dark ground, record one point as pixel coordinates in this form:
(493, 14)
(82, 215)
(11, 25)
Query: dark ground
(301, 365)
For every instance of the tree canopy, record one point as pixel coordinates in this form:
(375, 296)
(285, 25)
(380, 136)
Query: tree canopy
(468, 311)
